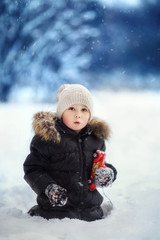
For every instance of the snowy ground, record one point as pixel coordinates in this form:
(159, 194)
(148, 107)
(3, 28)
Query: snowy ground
(134, 149)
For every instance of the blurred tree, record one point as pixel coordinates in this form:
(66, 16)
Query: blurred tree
(45, 43)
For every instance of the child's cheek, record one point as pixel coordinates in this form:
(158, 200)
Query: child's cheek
(86, 119)
(66, 120)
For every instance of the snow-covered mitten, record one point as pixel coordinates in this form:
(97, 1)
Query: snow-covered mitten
(104, 177)
(56, 194)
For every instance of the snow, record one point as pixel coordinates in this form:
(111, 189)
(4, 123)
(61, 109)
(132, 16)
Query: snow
(134, 149)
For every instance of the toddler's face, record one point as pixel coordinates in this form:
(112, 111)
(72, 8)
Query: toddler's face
(76, 117)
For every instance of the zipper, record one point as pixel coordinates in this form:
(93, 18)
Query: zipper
(81, 171)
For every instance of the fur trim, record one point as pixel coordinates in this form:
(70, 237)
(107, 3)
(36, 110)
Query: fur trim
(100, 128)
(44, 126)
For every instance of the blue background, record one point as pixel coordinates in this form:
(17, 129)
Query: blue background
(44, 44)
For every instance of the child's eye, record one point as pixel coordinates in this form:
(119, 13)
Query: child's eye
(84, 109)
(71, 108)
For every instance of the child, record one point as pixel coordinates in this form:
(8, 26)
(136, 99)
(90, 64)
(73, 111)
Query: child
(60, 164)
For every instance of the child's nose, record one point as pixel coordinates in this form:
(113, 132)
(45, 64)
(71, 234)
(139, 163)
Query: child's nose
(77, 115)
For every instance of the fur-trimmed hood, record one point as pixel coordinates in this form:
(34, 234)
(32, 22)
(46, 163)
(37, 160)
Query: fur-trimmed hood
(44, 125)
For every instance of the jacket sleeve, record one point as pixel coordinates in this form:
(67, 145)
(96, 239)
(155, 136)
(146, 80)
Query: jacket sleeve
(103, 148)
(36, 165)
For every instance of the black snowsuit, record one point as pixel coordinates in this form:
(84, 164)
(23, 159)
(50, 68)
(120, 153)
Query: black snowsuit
(60, 155)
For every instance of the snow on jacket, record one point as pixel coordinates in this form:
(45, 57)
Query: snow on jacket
(62, 156)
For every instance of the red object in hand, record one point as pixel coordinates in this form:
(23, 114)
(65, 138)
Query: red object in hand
(98, 162)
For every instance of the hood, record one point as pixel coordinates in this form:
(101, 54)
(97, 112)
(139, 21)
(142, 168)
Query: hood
(44, 125)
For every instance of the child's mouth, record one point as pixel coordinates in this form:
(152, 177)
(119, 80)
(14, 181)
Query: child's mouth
(77, 123)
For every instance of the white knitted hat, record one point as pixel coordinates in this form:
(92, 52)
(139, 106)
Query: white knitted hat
(69, 94)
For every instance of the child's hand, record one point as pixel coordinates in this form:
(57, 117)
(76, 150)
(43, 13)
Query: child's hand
(104, 177)
(57, 195)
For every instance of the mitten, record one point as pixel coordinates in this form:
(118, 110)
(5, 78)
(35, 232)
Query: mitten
(56, 194)
(104, 176)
